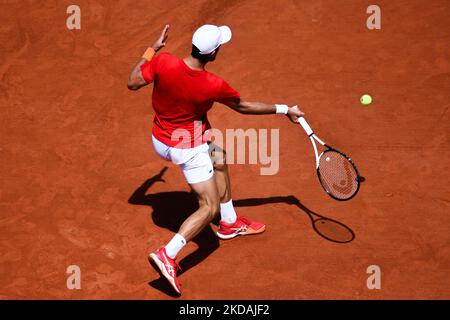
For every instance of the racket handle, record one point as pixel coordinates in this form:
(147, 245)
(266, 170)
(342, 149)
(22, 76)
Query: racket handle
(305, 126)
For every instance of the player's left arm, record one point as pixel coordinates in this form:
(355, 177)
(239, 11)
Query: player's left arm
(231, 98)
(136, 79)
(246, 107)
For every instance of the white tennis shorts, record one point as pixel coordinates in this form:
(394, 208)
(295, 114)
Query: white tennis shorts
(194, 162)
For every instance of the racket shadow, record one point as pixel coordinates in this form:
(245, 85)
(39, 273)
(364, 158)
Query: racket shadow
(329, 229)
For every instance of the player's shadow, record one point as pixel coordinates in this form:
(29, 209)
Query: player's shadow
(170, 209)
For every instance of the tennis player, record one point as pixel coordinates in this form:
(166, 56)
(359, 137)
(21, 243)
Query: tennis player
(183, 92)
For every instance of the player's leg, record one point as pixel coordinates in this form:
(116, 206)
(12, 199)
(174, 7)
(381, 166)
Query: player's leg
(231, 225)
(219, 160)
(198, 171)
(208, 198)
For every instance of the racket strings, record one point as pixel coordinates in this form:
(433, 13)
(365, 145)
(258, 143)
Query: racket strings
(338, 175)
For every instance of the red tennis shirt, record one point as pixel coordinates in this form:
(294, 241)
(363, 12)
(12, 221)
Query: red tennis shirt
(181, 98)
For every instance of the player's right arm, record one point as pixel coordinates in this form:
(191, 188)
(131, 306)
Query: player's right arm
(136, 79)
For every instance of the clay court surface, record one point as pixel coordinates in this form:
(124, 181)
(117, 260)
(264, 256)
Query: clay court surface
(75, 146)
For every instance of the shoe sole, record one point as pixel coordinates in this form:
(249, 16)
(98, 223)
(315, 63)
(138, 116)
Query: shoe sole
(158, 265)
(248, 232)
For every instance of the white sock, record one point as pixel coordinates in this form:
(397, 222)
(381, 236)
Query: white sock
(227, 212)
(175, 245)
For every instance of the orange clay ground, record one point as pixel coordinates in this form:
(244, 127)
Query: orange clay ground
(75, 146)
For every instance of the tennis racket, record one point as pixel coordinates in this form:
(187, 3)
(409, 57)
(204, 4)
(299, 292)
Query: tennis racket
(336, 171)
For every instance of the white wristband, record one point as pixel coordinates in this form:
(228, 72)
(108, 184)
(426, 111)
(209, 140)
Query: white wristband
(282, 108)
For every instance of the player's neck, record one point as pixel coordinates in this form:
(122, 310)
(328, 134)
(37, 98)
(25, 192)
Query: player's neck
(194, 64)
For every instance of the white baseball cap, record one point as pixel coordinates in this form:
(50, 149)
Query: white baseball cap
(208, 37)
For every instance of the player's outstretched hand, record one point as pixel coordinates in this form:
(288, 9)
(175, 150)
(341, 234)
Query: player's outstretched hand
(294, 114)
(161, 42)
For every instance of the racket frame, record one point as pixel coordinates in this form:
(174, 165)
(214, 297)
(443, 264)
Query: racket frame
(313, 137)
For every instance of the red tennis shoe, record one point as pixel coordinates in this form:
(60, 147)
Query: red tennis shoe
(241, 227)
(166, 267)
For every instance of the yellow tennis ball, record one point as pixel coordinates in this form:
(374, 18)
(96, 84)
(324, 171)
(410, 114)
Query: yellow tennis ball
(366, 100)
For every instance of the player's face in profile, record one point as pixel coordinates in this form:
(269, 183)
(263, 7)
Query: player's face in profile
(214, 54)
